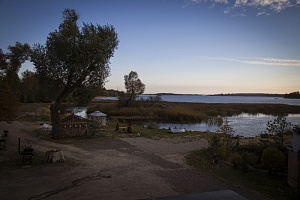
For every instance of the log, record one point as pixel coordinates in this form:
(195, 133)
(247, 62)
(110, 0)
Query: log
(54, 156)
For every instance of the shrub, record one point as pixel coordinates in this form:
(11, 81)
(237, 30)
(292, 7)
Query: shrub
(273, 160)
(242, 160)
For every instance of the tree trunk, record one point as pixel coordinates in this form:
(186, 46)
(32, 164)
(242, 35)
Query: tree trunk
(55, 107)
(55, 119)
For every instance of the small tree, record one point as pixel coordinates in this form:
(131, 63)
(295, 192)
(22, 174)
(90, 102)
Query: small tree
(228, 131)
(221, 142)
(278, 127)
(134, 87)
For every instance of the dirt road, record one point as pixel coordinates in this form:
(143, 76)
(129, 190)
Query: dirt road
(123, 168)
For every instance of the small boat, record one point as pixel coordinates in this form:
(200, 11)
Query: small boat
(176, 131)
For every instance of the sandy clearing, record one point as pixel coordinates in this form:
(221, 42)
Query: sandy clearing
(125, 168)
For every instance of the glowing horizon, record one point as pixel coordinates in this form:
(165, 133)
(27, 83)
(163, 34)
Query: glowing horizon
(184, 46)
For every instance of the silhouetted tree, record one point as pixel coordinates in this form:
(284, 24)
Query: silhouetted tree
(10, 64)
(134, 87)
(293, 95)
(14, 59)
(73, 57)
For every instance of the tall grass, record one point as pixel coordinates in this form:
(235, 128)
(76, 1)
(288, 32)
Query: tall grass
(190, 112)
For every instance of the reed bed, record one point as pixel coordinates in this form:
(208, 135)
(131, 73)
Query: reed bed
(190, 112)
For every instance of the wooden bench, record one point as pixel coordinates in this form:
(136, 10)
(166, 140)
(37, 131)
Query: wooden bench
(125, 127)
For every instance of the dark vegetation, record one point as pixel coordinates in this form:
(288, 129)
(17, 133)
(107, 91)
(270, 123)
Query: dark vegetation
(293, 95)
(273, 186)
(261, 164)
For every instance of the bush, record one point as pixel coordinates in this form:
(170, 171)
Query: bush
(273, 160)
(242, 160)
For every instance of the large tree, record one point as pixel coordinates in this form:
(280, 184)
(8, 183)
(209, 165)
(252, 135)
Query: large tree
(73, 57)
(10, 64)
(133, 86)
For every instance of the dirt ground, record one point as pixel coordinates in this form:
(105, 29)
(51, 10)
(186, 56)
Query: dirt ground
(122, 168)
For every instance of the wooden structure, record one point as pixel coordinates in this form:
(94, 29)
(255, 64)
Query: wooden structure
(128, 128)
(294, 161)
(74, 126)
(26, 154)
(53, 156)
(99, 117)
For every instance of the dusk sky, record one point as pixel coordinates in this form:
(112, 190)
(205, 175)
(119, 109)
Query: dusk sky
(179, 46)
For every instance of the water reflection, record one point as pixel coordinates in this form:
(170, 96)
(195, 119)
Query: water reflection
(245, 124)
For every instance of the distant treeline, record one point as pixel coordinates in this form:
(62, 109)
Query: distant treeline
(233, 94)
(293, 95)
(250, 94)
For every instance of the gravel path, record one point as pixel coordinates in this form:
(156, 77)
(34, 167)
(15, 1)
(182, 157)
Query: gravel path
(123, 168)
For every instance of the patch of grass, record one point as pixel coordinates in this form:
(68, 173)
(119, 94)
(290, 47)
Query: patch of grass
(154, 133)
(275, 187)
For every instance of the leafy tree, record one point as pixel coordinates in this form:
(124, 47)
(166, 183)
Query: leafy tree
(133, 86)
(83, 95)
(73, 57)
(8, 100)
(9, 103)
(228, 131)
(12, 62)
(221, 142)
(279, 126)
(29, 87)
(3, 64)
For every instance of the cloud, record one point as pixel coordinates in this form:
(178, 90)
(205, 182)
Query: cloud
(264, 7)
(261, 61)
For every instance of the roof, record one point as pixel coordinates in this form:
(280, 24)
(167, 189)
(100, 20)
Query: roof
(72, 116)
(97, 114)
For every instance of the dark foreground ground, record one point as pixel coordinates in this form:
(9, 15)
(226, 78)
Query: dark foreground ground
(121, 168)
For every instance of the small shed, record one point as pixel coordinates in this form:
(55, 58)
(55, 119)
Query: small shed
(98, 117)
(74, 126)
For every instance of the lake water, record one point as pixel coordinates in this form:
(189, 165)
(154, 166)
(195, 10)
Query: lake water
(220, 99)
(245, 124)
